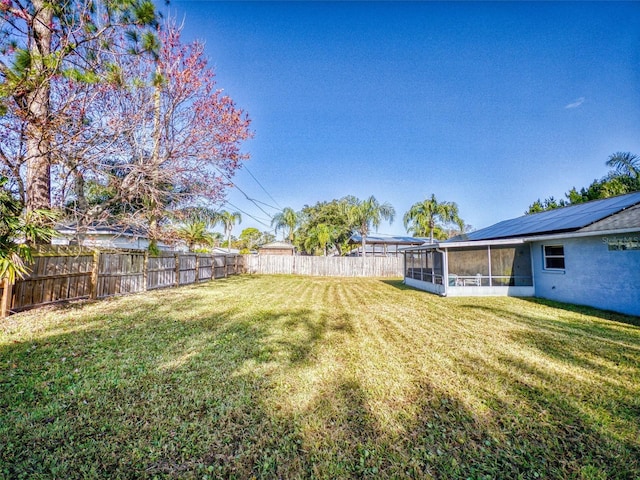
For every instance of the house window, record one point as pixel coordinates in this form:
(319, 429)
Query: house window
(554, 257)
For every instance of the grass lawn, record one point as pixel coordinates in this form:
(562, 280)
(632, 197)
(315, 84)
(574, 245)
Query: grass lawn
(292, 377)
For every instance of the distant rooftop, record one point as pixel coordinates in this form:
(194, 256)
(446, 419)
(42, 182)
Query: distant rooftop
(387, 240)
(278, 245)
(565, 219)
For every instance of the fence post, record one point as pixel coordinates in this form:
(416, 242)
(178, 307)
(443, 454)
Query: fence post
(5, 306)
(197, 269)
(145, 271)
(176, 256)
(95, 270)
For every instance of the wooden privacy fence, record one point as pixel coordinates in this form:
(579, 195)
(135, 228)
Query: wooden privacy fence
(325, 266)
(60, 274)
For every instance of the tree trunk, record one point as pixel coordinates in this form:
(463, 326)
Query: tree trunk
(38, 191)
(432, 226)
(81, 207)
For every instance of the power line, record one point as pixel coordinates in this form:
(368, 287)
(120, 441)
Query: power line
(261, 186)
(248, 214)
(252, 200)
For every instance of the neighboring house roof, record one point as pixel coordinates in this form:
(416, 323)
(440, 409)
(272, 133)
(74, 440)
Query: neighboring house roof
(71, 229)
(224, 250)
(386, 240)
(277, 245)
(375, 248)
(595, 215)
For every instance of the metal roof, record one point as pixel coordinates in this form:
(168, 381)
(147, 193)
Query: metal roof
(388, 240)
(559, 220)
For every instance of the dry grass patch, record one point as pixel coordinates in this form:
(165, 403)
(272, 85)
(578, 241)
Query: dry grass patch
(293, 377)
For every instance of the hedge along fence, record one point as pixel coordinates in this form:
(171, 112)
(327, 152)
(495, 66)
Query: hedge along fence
(70, 273)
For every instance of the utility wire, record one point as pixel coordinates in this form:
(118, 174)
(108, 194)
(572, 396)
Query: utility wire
(252, 200)
(248, 214)
(261, 186)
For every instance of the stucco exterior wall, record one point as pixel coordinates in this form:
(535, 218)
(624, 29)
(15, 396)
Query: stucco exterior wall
(594, 274)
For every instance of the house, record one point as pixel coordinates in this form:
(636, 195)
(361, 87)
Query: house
(276, 248)
(382, 245)
(587, 254)
(105, 236)
(225, 251)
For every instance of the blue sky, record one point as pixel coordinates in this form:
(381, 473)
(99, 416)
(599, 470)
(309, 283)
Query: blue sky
(490, 105)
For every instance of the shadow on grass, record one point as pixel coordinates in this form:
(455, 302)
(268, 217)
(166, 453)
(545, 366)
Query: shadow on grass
(154, 389)
(398, 284)
(585, 310)
(195, 388)
(574, 377)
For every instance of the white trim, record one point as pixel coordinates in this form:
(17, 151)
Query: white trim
(521, 240)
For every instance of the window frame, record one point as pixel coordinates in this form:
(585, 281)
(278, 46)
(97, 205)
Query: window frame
(553, 257)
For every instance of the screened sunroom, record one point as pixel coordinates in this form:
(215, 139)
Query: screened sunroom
(499, 267)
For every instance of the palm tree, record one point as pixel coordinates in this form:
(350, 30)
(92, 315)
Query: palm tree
(424, 216)
(287, 219)
(195, 233)
(216, 238)
(625, 163)
(228, 219)
(320, 236)
(364, 214)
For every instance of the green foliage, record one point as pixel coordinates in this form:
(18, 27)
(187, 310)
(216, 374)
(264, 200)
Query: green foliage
(333, 214)
(368, 213)
(319, 238)
(625, 164)
(251, 239)
(145, 13)
(228, 220)
(286, 220)
(19, 231)
(365, 214)
(547, 204)
(623, 178)
(78, 75)
(430, 218)
(195, 234)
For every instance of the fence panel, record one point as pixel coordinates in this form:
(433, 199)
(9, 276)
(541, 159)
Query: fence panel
(53, 279)
(70, 273)
(219, 266)
(325, 266)
(161, 271)
(205, 267)
(120, 273)
(187, 268)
